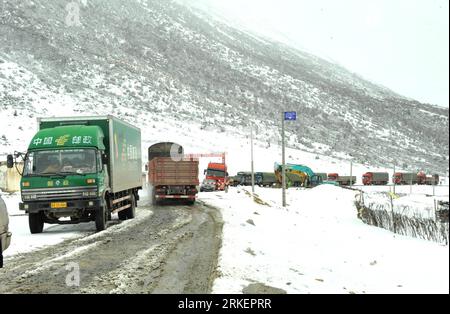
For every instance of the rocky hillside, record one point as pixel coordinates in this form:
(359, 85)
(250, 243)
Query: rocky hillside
(157, 59)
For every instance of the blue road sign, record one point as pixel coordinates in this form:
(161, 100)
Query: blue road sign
(290, 116)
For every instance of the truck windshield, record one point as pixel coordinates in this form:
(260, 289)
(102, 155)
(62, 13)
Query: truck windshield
(215, 173)
(66, 161)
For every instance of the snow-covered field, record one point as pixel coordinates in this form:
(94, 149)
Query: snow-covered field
(317, 245)
(411, 205)
(438, 190)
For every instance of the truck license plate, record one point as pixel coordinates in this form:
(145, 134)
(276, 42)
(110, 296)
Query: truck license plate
(59, 205)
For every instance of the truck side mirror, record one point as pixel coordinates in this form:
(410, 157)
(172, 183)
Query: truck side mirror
(146, 167)
(204, 171)
(10, 161)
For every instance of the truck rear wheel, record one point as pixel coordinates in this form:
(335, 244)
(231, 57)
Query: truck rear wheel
(131, 212)
(100, 218)
(1, 255)
(155, 201)
(36, 222)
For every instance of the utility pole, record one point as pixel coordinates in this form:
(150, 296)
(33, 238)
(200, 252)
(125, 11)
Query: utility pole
(351, 172)
(283, 161)
(251, 153)
(394, 180)
(434, 185)
(410, 186)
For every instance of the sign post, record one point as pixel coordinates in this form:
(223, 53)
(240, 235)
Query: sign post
(286, 116)
(251, 153)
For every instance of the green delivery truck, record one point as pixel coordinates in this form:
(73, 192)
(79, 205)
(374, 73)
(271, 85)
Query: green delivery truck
(79, 170)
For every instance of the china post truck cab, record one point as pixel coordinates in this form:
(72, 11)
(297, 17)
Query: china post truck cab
(81, 169)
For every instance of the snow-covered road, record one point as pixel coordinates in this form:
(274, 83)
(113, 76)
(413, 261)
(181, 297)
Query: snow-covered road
(165, 249)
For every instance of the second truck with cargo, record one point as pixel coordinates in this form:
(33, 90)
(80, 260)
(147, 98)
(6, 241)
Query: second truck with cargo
(79, 170)
(171, 175)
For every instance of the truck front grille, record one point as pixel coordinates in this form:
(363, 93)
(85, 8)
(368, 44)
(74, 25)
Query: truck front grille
(59, 193)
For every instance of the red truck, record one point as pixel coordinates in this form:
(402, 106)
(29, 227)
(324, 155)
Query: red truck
(405, 178)
(333, 176)
(375, 178)
(217, 172)
(342, 180)
(421, 178)
(171, 176)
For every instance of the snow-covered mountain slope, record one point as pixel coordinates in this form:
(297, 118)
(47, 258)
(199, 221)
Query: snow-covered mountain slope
(161, 65)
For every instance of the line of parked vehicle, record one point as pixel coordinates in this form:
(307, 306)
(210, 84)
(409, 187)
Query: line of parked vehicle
(300, 175)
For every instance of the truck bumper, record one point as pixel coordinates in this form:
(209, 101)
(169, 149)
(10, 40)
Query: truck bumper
(5, 240)
(175, 196)
(72, 205)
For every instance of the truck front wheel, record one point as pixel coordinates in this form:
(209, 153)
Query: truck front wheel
(36, 222)
(100, 218)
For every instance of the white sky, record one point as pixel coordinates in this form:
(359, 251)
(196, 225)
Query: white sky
(401, 44)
